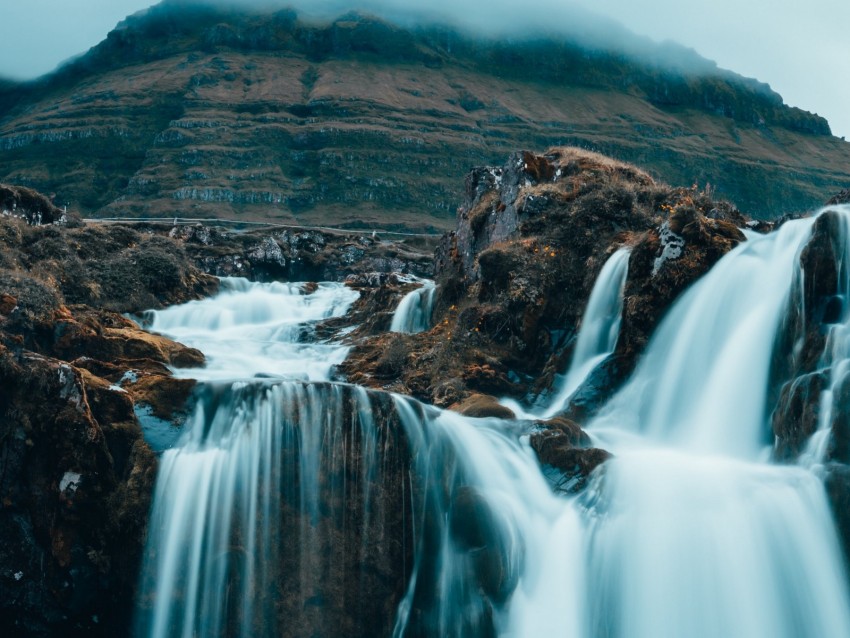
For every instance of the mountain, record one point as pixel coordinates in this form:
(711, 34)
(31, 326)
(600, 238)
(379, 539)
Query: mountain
(200, 111)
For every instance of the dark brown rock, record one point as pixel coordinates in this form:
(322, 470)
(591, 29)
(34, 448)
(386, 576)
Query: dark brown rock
(74, 494)
(482, 406)
(795, 418)
(562, 444)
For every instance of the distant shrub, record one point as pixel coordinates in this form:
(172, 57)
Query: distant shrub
(394, 358)
(36, 301)
(158, 269)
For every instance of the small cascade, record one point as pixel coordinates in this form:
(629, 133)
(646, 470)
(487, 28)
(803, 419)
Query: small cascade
(497, 553)
(836, 354)
(252, 329)
(265, 514)
(415, 309)
(597, 337)
(599, 331)
(702, 383)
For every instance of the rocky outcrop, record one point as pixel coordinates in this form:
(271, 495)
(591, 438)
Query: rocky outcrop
(33, 207)
(300, 255)
(360, 123)
(514, 278)
(76, 475)
(75, 485)
(562, 444)
(695, 233)
(840, 198)
(798, 369)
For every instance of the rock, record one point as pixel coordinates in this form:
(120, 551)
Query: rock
(33, 207)
(76, 485)
(7, 304)
(478, 530)
(839, 444)
(666, 260)
(166, 396)
(795, 418)
(562, 444)
(483, 406)
(840, 198)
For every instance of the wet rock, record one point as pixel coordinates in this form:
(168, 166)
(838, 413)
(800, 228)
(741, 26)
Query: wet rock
(477, 529)
(797, 369)
(839, 198)
(483, 406)
(839, 444)
(795, 418)
(562, 444)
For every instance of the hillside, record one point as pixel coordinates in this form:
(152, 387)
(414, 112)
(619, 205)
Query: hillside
(203, 112)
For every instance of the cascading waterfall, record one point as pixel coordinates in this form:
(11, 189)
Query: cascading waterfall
(691, 532)
(414, 310)
(495, 545)
(836, 354)
(281, 490)
(251, 330)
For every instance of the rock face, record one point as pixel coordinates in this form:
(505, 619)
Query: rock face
(77, 476)
(32, 206)
(76, 485)
(200, 111)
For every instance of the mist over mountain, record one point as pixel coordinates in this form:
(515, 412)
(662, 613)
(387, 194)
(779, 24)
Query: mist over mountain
(253, 110)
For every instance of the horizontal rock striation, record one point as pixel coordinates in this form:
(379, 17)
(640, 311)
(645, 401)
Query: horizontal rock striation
(205, 112)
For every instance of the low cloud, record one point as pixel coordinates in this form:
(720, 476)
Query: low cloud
(800, 49)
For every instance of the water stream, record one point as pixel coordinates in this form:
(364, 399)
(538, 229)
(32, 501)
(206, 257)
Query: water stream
(415, 309)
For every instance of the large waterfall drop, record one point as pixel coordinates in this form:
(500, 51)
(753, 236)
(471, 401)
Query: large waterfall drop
(691, 532)
(294, 506)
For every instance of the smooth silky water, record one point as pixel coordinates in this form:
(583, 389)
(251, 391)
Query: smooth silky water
(688, 531)
(413, 314)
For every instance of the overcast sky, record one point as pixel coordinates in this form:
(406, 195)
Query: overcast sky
(800, 48)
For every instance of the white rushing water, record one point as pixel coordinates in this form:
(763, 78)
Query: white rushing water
(252, 329)
(600, 328)
(689, 531)
(414, 310)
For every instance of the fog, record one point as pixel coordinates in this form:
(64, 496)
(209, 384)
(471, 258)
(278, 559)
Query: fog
(798, 48)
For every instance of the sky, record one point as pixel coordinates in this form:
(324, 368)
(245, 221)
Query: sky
(800, 48)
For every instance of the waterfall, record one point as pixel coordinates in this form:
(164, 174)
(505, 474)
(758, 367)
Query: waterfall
(836, 354)
(596, 340)
(691, 532)
(599, 330)
(253, 329)
(295, 507)
(497, 551)
(414, 310)
(292, 507)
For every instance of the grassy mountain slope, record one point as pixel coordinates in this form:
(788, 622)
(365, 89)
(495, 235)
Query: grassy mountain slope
(209, 112)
